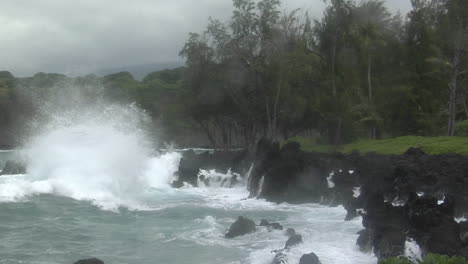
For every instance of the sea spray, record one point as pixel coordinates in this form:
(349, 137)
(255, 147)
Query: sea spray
(96, 151)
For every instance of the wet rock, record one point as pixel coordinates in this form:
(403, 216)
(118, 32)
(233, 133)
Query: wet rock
(13, 167)
(276, 226)
(415, 152)
(386, 228)
(89, 261)
(433, 224)
(390, 190)
(364, 240)
(293, 240)
(241, 227)
(389, 243)
(444, 239)
(280, 258)
(290, 232)
(271, 226)
(221, 161)
(310, 258)
(464, 238)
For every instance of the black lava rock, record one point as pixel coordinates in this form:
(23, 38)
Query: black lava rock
(270, 226)
(241, 227)
(310, 258)
(89, 261)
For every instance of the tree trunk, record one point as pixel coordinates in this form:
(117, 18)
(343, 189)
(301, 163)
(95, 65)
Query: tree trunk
(275, 110)
(338, 131)
(465, 107)
(369, 80)
(334, 68)
(453, 84)
(452, 107)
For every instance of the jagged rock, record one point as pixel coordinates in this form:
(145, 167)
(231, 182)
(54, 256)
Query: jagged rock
(296, 176)
(364, 240)
(310, 258)
(464, 238)
(280, 258)
(415, 152)
(293, 240)
(241, 227)
(444, 239)
(433, 224)
(290, 232)
(89, 261)
(389, 243)
(274, 226)
(221, 161)
(13, 167)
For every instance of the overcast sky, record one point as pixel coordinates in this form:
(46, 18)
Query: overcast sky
(83, 36)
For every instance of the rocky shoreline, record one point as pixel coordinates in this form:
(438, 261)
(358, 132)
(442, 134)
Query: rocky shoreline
(409, 197)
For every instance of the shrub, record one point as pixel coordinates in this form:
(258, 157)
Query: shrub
(461, 128)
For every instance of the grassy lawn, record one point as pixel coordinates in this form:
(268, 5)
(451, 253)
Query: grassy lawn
(430, 145)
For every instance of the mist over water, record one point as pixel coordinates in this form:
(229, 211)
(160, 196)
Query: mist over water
(96, 151)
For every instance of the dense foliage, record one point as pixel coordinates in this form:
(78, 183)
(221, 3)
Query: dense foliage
(358, 72)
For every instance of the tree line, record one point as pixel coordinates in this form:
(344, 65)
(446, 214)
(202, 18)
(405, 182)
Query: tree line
(359, 71)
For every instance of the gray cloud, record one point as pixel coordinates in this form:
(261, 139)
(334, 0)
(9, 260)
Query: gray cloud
(78, 37)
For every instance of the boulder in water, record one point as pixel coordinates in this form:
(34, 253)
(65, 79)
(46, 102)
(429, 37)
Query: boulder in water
(293, 241)
(270, 226)
(276, 226)
(280, 258)
(310, 258)
(241, 227)
(13, 167)
(294, 238)
(89, 261)
(290, 232)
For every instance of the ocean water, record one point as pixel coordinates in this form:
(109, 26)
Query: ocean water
(59, 219)
(94, 187)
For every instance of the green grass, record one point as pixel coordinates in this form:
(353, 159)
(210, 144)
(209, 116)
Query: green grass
(430, 259)
(430, 145)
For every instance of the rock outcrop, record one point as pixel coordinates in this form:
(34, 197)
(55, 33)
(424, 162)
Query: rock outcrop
(400, 197)
(271, 226)
(89, 261)
(310, 258)
(221, 161)
(240, 227)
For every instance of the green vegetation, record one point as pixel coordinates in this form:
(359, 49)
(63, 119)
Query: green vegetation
(358, 72)
(430, 145)
(430, 259)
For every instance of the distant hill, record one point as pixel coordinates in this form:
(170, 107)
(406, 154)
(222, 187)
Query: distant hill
(140, 71)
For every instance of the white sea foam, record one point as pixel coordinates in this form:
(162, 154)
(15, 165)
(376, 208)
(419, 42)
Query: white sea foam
(356, 192)
(212, 178)
(412, 251)
(330, 182)
(460, 219)
(99, 154)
